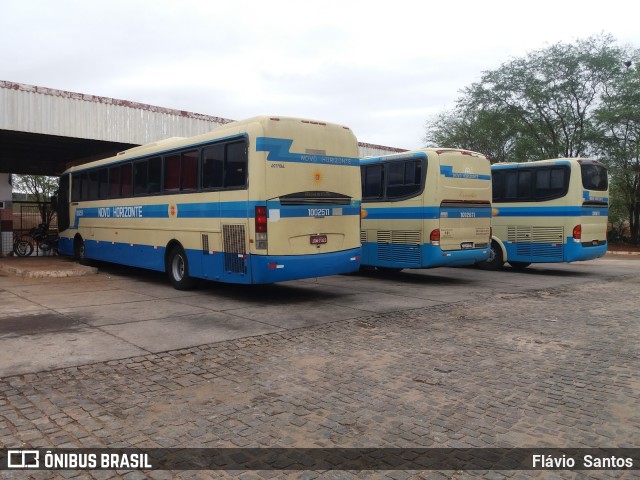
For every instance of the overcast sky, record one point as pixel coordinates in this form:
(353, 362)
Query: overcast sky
(381, 67)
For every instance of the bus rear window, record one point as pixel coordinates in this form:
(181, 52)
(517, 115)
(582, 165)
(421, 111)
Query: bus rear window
(594, 177)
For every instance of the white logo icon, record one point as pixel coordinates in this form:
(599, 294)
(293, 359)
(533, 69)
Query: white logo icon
(23, 459)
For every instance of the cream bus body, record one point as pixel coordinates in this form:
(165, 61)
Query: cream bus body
(426, 208)
(263, 200)
(549, 211)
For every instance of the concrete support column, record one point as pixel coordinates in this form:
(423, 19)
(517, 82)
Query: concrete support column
(6, 215)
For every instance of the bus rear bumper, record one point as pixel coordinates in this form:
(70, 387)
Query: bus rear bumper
(436, 257)
(280, 268)
(576, 252)
(419, 256)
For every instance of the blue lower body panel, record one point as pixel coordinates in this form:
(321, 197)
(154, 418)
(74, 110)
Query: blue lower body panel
(419, 256)
(530, 252)
(224, 267)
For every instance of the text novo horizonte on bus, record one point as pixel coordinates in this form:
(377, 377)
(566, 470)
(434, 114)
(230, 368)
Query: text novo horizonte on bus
(120, 212)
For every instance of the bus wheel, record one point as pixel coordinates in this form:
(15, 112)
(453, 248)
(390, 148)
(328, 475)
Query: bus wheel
(178, 269)
(495, 261)
(519, 265)
(389, 269)
(79, 253)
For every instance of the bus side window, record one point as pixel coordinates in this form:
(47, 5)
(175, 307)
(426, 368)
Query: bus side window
(103, 183)
(114, 182)
(497, 185)
(172, 173)
(511, 184)
(524, 184)
(235, 167)
(372, 182)
(140, 177)
(126, 180)
(212, 166)
(189, 170)
(155, 175)
(76, 188)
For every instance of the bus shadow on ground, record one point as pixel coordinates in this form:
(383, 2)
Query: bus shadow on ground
(540, 270)
(282, 293)
(417, 276)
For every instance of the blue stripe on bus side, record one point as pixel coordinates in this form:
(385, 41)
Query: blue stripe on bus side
(447, 171)
(423, 213)
(278, 151)
(205, 210)
(561, 211)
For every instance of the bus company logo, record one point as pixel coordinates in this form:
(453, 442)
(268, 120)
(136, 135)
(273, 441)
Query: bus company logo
(468, 170)
(23, 459)
(173, 211)
(317, 177)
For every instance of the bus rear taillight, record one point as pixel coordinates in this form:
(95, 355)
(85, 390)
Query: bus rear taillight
(261, 228)
(435, 237)
(577, 233)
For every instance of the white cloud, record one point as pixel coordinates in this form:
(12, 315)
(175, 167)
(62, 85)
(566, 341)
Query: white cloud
(380, 67)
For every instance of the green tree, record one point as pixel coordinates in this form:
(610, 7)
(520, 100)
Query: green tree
(535, 107)
(616, 138)
(40, 189)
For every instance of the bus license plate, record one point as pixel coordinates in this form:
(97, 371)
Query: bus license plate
(464, 245)
(318, 239)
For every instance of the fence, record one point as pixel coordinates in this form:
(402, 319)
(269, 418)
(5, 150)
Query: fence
(25, 215)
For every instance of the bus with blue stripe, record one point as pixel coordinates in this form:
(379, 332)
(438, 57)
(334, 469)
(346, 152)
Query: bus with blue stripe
(263, 200)
(548, 211)
(425, 208)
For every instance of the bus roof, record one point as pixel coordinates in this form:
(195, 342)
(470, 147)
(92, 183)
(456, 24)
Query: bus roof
(227, 130)
(550, 161)
(419, 153)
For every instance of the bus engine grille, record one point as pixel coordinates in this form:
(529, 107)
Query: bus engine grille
(399, 246)
(233, 242)
(543, 242)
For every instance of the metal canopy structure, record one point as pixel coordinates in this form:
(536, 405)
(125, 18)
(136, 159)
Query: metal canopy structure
(43, 131)
(39, 154)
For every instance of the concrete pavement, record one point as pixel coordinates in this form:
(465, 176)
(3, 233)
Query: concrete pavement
(49, 322)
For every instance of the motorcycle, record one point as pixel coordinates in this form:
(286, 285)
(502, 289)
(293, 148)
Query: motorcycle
(44, 239)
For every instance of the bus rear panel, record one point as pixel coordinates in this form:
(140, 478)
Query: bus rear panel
(427, 208)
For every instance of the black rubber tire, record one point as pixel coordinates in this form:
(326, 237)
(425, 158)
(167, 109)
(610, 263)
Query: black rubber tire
(79, 253)
(23, 248)
(178, 269)
(389, 269)
(495, 261)
(519, 265)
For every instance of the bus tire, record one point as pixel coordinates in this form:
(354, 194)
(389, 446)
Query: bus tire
(519, 265)
(389, 269)
(178, 269)
(495, 261)
(79, 253)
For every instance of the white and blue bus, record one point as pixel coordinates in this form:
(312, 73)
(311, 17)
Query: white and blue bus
(548, 211)
(425, 208)
(263, 200)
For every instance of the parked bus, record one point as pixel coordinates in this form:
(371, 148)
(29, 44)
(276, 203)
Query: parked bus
(425, 208)
(548, 211)
(263, 200)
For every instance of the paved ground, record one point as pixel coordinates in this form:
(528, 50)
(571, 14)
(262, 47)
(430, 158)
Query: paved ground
(442, 358)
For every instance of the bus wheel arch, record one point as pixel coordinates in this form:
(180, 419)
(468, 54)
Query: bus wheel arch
(497, 257)
(177, 266)
(79, 252)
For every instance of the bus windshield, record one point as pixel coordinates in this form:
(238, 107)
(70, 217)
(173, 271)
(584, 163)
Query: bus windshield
(594, 177)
